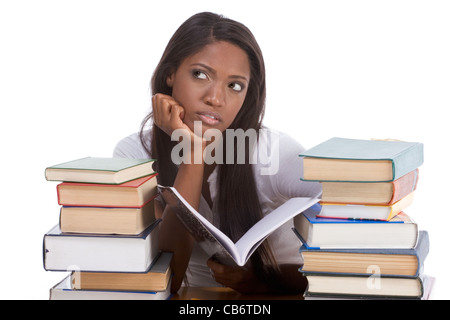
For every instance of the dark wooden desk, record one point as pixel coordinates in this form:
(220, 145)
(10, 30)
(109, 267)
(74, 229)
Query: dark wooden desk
(220, 293)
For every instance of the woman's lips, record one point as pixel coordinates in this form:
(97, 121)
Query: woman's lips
(209, 118)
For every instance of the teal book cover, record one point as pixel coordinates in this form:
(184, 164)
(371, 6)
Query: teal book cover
(403, 156)
(100, 170)
(103, 164)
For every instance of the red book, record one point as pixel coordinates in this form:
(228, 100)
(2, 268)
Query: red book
(380, 193)
(131, 194)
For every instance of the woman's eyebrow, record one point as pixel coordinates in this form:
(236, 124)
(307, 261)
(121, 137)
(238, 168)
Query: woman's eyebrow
(214, 71)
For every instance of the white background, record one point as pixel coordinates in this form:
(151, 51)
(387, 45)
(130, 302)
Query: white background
(74, 79)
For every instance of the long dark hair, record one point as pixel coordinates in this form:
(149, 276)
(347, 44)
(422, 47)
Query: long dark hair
(238, 202)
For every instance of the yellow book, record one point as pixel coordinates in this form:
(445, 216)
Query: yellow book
(103, 220)
(155, 279)
(359, 211)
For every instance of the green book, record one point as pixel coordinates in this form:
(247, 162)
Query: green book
(100, 170)
(353, 160)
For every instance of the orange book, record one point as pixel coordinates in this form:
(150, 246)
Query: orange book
(376, 193)
(365, 211)
(131, 194)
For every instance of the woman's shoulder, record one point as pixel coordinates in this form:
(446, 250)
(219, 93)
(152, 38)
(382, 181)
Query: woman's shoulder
(131, 147)
(273, 137)
(275, 147)
(279, 169)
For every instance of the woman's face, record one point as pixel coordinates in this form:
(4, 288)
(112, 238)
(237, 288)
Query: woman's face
(211, 85)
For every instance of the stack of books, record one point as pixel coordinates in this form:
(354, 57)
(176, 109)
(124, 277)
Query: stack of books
(359, 242)
(107, 235)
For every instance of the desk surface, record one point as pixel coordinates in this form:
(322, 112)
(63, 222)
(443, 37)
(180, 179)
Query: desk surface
(220, 293)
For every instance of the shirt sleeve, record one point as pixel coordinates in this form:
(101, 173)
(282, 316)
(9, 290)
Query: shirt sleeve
(130, 147)
(287, 183)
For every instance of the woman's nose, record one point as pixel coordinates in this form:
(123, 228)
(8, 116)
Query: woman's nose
(215, 95)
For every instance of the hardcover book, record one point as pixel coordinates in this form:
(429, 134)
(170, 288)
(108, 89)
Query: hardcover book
(353, 160)
(366, 286)
(64, 291)
(387, 262)
(131, 194)
(365, 211)
(155, 279)
(107, 220)
(323, 233)
(99, 252)
(425, 285)
(100, 170)
(381, 193)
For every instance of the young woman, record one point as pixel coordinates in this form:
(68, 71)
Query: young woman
(212, 75)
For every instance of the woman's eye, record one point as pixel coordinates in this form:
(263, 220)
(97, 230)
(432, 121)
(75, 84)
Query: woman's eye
(235, 86)
(199, 74)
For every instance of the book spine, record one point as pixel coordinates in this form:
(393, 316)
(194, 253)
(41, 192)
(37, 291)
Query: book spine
(422, 248)
(407, 161)
(404, 185)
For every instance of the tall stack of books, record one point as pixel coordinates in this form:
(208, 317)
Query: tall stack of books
(107, 235)
(359, 242)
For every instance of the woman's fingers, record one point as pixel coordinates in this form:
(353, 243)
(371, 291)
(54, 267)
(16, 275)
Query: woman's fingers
(176, 116)
(169, 116)
(230, 276)
(167, 113)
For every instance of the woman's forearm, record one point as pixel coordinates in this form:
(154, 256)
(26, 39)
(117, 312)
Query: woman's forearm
(173, 236)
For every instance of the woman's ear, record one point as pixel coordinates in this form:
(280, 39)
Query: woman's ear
(169, 80)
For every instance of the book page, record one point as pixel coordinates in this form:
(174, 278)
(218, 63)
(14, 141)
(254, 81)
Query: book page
(216, 243)
(248, 243)
(210, 238)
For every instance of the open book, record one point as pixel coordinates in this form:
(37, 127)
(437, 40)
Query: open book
(216, 243)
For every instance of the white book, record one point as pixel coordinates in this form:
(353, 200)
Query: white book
(100, 252)
(365, 211)
(401, 232)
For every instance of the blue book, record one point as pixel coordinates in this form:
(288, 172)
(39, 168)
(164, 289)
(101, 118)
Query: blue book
(65, 291)
(401, 232)
(387, 262)
(353, 160)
